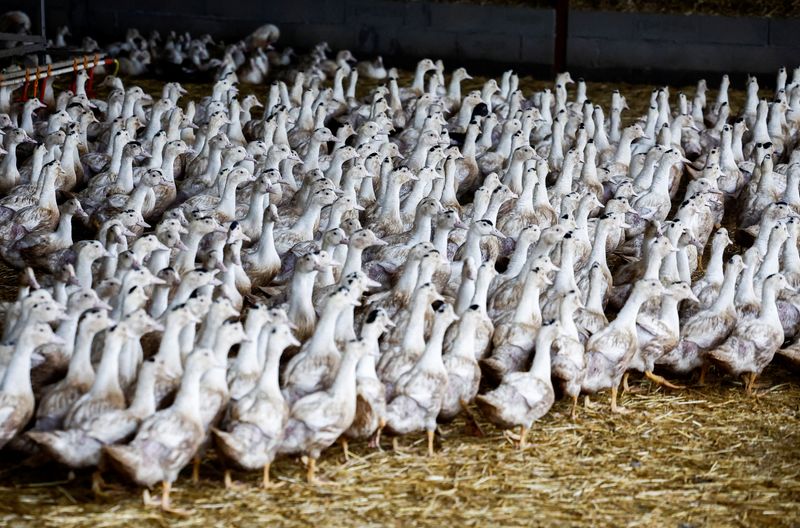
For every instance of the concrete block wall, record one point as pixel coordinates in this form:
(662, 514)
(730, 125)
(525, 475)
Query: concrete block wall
(625, 43)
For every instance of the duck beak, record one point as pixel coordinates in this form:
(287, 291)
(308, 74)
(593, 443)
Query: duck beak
(460, 225)
(344, 241)
(358, 208)
(102, 305)
(179, 245)
(215, 282)
(293, 341)
(499, 234)
(380, 242)
(142, 223)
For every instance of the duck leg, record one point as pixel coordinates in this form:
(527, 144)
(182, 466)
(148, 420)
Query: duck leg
(165, 501)
(574, 413)
(614, 407)
(523, 438)
(230, 483)
(396, 444)
(626, 387)
(311, 471)
(588, 403)
(265, 481)
(430, 442)
(97, 484)
(471, 426)
(375, 441)
(196, 470)
(703, 372)
(660, 380)
(345, 449)
(149, 501)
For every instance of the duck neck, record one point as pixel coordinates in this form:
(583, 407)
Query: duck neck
(325, 332)
(623, 154)
(565, 277)
(441, 238)
(169, 351)
(566, 318)
(187, 400)
(17, 380)
(598, 253)
(64, 231)
(247, 359)
(408, 279)
(714, 270)
(214, 165)
(518, 258)
(390, 206)
(301, 301)
(266, 244)
(353, 260)
(669, 314)
(594, 299)
(432, 356)
(160, 301)
(745, 294)
(125, 175)
(725, 297)
(473, 247)
(80, 364)
(541, 360)
(269, 381)
(422, 229)
(106, 381)
(67, 330)
(769, 310)
(528, 308)
(47, 196)
(463, 345)
(307, 223)
(482, 284)
(414, 338)
(630, 310)
(227, 205)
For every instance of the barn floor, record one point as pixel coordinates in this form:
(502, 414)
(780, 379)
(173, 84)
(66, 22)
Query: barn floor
(702, 456)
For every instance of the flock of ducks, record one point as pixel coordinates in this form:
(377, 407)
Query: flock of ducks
(266, 277)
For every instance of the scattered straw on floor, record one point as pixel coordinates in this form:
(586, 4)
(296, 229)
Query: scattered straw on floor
(703, 456)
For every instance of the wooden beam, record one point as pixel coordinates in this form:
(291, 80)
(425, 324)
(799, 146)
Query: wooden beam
(561, 32)
(21, 50)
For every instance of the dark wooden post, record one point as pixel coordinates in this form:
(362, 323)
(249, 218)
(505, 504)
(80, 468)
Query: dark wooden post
(560, 46)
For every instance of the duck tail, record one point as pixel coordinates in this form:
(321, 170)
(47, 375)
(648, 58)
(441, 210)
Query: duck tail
(123, 458)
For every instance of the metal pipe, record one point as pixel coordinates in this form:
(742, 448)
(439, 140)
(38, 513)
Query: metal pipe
(20, 76)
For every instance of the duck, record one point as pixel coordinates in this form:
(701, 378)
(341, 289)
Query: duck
(610, 350)
(257, 421)
(461, 363)
(319, 418)
(524, 397)
(55, 400)
(313, 367)
(753, 342)
(370, 417)
(515, 331)
(658, 337)
(419, 392)
(167, 440)
(83, 447)
(16, 393)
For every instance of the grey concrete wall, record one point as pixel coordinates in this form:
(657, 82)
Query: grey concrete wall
(502, 35)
